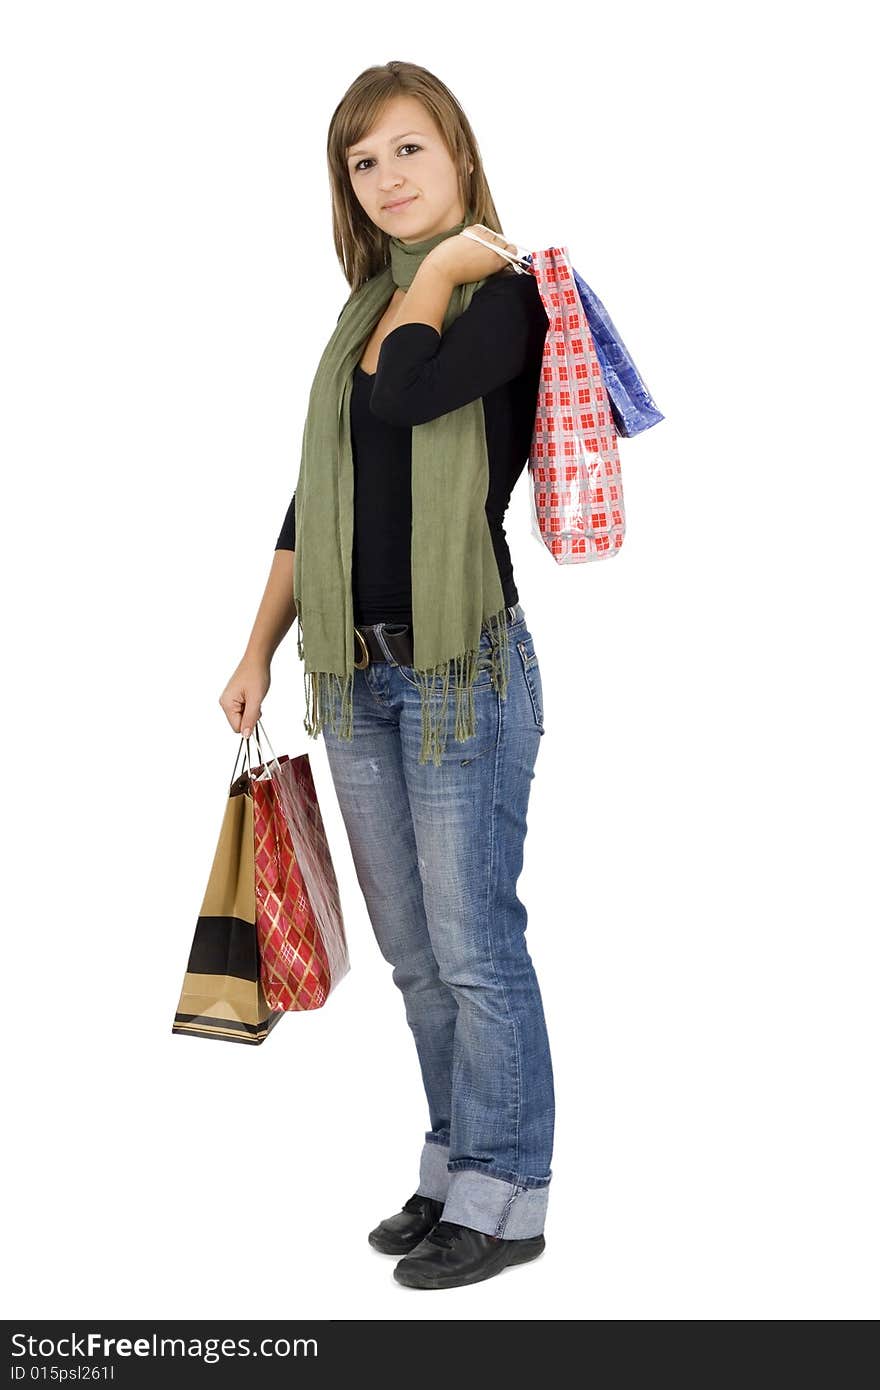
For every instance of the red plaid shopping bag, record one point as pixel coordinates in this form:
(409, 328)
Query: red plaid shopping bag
(302, 944)
(577, 488)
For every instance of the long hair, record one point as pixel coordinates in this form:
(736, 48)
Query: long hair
(361, 246)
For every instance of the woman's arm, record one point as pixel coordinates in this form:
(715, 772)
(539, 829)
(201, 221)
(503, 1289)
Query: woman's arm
(242, 698)
(276, 612)
(427, 298)
(423, 372)
(456, 261)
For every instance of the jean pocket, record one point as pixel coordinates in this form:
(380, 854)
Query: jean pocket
(485, 659)
(532, 675)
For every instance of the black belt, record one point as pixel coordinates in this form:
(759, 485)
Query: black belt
(389, 641)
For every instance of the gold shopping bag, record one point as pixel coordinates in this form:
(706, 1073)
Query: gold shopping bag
(222, 996)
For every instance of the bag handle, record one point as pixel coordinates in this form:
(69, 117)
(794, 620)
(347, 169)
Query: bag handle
(246, 744)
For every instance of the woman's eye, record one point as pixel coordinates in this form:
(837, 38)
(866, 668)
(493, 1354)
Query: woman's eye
(357, 167)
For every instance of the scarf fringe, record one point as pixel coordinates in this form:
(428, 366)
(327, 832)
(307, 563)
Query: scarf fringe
(329, 696)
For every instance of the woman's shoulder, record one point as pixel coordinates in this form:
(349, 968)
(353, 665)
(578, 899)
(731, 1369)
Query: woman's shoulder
(508, 281)
(505, 276)
(506, 286)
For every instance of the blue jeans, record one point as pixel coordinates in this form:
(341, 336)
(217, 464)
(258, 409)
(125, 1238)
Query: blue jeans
(438, 851)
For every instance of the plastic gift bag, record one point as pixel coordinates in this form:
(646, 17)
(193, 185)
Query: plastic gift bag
(301, 936)
(577, 487)
(632, 404)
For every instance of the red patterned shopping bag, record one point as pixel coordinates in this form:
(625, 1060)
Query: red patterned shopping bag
(302, 943)
(577, 487)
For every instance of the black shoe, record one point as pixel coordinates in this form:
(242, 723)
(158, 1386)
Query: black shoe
(451, 1255)
(403, 1231)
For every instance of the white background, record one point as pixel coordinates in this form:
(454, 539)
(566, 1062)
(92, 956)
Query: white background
(701, 856)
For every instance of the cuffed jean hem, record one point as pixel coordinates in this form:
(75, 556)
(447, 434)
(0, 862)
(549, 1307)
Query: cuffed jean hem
(433, 1173)
(512, 1210)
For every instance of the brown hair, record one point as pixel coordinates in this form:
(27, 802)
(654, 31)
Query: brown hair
(361, 246)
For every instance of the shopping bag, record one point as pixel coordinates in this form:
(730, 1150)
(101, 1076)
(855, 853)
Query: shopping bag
(300, 931)
(632, 404)
(577, 490)
(222, 995)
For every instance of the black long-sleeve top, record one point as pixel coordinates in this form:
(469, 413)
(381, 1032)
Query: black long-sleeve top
(494, 351)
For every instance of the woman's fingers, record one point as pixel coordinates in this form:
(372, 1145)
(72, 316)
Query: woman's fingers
(242, 700)
(495, 237)
(468, 258)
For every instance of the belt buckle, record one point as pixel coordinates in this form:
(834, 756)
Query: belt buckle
(362, 665)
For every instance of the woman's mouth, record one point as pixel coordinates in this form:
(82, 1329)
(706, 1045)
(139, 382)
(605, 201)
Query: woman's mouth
(400, 205)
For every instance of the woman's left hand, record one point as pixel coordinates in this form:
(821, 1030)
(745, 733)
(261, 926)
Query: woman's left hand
(463, 260)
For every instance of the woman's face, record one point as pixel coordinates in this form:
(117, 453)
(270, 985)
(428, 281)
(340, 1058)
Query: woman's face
(404, 157)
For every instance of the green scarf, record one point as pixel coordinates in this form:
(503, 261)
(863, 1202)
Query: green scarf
(456, 587)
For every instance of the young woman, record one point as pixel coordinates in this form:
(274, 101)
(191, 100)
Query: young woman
(420, 670)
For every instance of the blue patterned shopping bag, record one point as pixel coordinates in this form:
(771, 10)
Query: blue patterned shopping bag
(632, 404)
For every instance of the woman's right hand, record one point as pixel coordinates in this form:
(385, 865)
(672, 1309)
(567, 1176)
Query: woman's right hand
(242, 700)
